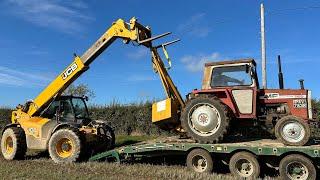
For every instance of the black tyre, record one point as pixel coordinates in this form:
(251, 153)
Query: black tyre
(65, 146)
(200, 160)
(205, 119)
(106, 138)
(292, 131)
(244, 165)
(13, 143)
(296, 166)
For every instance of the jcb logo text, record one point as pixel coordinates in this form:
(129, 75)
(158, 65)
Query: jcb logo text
(69, 71)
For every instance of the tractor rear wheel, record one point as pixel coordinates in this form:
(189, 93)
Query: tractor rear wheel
(65, 146)
(13, 143)
(292, 131)
(205, 119)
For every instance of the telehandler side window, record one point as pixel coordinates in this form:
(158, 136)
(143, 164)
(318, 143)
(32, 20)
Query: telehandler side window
(50, 113)
(80, 108)
(66, 111)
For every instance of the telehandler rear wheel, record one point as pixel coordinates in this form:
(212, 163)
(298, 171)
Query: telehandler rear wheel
(107, 138)
(65, 146)
(205, 119)
(13, 143)
(292, 131)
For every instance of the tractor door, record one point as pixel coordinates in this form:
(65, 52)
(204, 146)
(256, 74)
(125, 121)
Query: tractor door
(240, 83)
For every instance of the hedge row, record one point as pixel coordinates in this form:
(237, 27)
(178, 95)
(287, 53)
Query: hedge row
(5, 115)
(125, 119)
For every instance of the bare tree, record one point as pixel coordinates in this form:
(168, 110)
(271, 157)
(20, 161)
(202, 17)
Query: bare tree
(79, 90)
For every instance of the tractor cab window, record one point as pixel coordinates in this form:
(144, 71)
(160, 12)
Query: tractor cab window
(231, 76)
(80, 109)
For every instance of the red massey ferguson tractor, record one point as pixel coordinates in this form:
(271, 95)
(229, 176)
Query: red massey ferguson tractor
(230, 93)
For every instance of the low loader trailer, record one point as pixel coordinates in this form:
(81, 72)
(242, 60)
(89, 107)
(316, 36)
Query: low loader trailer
(245, 159)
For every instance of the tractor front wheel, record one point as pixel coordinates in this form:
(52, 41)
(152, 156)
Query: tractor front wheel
(65, 146)
(205, 119)
(292, 131)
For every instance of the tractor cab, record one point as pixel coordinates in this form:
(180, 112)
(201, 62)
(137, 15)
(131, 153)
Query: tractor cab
(237, 73)
(71, 109)
(238, 79)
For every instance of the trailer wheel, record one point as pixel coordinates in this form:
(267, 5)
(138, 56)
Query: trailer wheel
(296, 166)
(244, 165)
(292, 131)
(205, 119)
(65, 146)
(13, 143)
(200, 160)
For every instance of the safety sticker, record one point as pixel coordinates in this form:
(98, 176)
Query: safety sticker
(161, 106)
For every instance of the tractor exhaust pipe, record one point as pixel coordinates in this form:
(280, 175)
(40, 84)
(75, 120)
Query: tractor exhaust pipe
(301, 83)
(280, 74)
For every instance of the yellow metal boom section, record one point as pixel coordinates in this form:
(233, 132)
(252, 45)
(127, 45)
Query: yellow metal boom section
(127, 31)
(58, 85)
(170, 88)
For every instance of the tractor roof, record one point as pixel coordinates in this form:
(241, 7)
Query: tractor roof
(237, 61)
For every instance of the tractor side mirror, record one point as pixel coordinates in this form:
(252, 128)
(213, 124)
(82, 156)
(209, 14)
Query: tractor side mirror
(247, 68)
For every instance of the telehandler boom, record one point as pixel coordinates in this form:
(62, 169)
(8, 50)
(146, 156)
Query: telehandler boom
(61, 124)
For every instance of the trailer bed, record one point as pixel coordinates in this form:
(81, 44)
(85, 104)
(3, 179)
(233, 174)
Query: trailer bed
(165, 146)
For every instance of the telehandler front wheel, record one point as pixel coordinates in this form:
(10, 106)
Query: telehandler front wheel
(65, 146)
(13, 143)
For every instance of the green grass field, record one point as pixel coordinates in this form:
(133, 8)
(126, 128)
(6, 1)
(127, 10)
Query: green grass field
(42, 167)
(46, 169)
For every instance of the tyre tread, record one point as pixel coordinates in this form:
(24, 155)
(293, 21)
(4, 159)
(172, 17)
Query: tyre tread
(227, 119)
